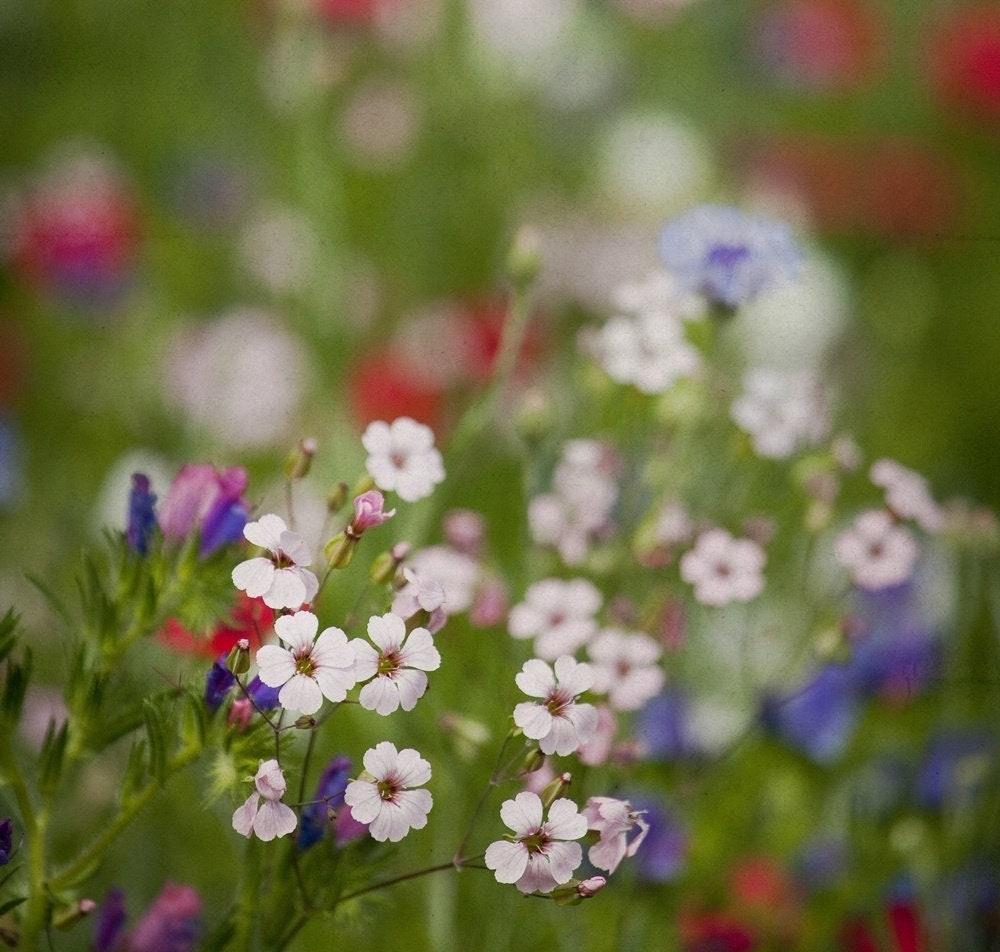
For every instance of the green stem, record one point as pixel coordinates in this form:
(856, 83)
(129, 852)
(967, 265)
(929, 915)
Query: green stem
(36, 914)
(99, 846)
(416, 874)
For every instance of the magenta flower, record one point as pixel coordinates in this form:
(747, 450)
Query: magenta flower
(208, 501)
(171, 924)
(369, 512)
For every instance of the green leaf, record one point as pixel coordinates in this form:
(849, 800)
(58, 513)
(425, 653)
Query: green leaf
(51, 599)
(51, 757)
(135, 772)
(15, 686)
(11, 904)
(156, 733)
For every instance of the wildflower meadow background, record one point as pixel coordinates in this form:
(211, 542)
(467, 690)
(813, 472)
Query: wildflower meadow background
(500, 474)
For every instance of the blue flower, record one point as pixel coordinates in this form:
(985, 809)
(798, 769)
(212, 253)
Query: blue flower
(263, 696)
(329, 796)
(6, 840)
(141, 514)
(218, 683)
(11, 465)
(662, 727)
(727, 255)
(959, 763)
(109, 923)
(819, 719)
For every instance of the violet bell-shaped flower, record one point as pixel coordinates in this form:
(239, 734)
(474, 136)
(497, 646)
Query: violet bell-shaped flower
(318, 815)
(6, 840)
(141, 514)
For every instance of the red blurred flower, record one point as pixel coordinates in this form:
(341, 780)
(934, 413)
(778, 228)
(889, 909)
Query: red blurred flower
(819, 44)
(385, 385)
(904, 927)
(249, 619)
(713, 932)
(75, 233)
(964, 61)
(347, 11)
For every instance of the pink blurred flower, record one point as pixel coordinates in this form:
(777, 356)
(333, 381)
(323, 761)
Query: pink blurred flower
(207, 500)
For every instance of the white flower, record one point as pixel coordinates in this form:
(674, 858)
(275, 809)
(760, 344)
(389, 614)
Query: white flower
(280, 577)
(614, 820)
(384, 799)
(402, 458)
(540, 856)
(723, 569)
(648, 351)
(558, 614)
(556, 720)
(907, 494)
(457, 574)
(397, 668)
(876, 550)
(626, 668)
(420, 593)
(310, 668)
(781, 411)
(272, 818)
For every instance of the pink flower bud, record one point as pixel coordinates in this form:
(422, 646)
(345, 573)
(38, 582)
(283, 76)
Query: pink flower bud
(591, 887)
(369, 511)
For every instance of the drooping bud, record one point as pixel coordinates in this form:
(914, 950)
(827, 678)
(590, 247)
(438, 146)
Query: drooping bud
(238, 660)
(340, 550)
(300, 459)
(524, 259)
(534, 761)
(385, 566)
(336, 498)
(68, 916)
(556, 789)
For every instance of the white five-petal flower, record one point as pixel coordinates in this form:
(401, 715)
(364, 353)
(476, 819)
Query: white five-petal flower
(402, 458)
(876, 550)
(558, 614)
(310, 668)
(556, 720)
(382, 797)
(397, 667)
(540, 855)
(614, 820)
(272, 817)
(907, 494)
(626, 668)
(723, 569)
(280, 578)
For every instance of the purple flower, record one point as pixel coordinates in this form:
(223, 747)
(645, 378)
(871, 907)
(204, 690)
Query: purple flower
(727, 255)
(208, 501)
(819, 719)
(958, 764)
(263, 696)
(6, 840)
(141, 514)
(662, 853)
(662, 727)
(821, 863)
(315, 819)
(896, 652)
(218, 683)
(109, 922)
(171, 924)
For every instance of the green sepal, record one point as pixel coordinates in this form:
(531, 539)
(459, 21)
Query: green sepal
(51, 758)
(15, 686)
(156, 734)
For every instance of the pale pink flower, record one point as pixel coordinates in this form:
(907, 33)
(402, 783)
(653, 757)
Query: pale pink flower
(626, 668)
(876, 550)
(648, 351)
(597, 750)
(556, 720)
(369, 511)
(541, 855)
(272, 817)
(614, 820)
(397, 667)
(280, 578)
(458, 574)
(421, 593)
(558, 614)
(402, 458)
(781, 411)
(907, 494)
(309, 668)
(382, 797)
(723, 569)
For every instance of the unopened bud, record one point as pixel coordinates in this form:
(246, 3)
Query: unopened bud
(336, 498)
(300, 459)
(305, 723)
(556, 789)
(340, 550)
(238, 660)
(589, 888)
(69, 916)
(383, 569)
(524, 259)
(534, 761)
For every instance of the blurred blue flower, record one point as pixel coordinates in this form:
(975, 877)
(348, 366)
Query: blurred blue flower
(109, 922)
(957, 766)
(821, 863)
(662, 853)
(6, 840)
(171, 924)
(329, 796)
(896, 651)
(263, 696)
(141, 514)
(218, 683)
(819, 719)
(11, 470)
(661, 727)
(727, 255)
